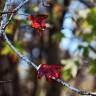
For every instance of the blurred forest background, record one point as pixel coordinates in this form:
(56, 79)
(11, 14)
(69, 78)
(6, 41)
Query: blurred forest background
(69, 40)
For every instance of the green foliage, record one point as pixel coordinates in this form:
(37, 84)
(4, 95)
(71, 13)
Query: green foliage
(92, 67)
(70, 65)
(66, 74)
(89, 37)
(92, 20)
(85, 51)
(7, 50)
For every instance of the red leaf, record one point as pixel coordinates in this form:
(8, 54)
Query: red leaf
(38, 23)
(49, 71)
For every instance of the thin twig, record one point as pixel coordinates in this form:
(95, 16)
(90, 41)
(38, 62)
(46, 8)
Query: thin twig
(81, 92)
(7, 40)
(4, 17)
(34, 65)
(14, 11)
(78, 91)
(6, 12)
(88, 4)
(46, 3)
(92, 48)
(18, 53)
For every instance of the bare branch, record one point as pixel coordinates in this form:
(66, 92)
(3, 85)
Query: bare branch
(18, 53)
(92, 48)
(81, 92)
(2, 29)
(46, 3)
(14, 11)
(88, 4)
(4, 17)
(7, 40)
(5, 12)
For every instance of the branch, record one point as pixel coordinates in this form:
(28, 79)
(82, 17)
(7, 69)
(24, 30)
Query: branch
(81, 92)
(29, 62)
(8, 41)
(92, 48)
(4, 17)
(17, 52)
(3, 26)
(8, 12)
(5, 12)
(14, 11)
(46, 3)
(88, 4)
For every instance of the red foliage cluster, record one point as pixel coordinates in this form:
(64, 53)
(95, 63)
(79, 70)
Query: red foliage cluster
(38, 22)
(49, 71)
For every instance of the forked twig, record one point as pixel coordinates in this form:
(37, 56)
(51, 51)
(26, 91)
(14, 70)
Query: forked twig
(34, 65)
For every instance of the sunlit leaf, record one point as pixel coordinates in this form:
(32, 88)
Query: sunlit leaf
(49, 71)
(70, 65)
(66, 74)
(6, 50)
(9, 29)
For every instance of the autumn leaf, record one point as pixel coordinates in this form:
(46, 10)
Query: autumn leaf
(49, 71)
(38, 22)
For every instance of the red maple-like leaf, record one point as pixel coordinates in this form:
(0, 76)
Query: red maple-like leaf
(49, 71)
(38, 23)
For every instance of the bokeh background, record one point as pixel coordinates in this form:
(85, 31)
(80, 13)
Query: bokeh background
(69, 40)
